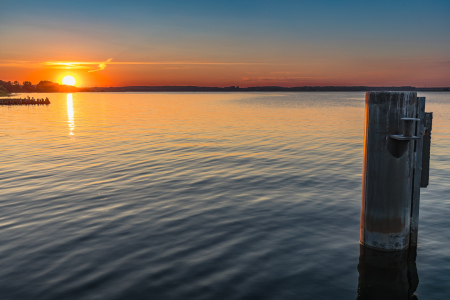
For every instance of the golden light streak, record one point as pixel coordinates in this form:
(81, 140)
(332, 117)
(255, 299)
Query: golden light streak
(70, 114)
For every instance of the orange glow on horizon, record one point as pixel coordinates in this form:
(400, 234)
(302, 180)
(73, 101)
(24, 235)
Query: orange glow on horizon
(95, 73)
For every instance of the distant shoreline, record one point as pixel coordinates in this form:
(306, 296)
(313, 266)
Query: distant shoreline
(46, 86)
(259, 89)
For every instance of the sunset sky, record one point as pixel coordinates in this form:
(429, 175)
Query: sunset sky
(223, 43)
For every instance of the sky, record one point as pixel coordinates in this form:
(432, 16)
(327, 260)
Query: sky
(224, 43)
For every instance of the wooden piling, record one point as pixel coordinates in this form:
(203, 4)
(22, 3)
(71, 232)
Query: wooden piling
(428, 120)
(388, 170)
(417, 165)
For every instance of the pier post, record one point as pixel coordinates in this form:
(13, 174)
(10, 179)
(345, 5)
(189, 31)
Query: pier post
(392, 168)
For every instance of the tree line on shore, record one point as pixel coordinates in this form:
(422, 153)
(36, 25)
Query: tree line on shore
(44, 86)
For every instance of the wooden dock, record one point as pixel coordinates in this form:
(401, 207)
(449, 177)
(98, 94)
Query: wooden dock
(24, 101)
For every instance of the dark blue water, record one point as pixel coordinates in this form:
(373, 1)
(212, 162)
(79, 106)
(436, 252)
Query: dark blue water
(198, 196)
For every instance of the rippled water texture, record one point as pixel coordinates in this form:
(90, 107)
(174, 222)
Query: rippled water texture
(198, 196)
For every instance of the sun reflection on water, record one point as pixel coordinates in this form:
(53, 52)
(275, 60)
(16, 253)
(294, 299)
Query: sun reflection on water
(70, 114)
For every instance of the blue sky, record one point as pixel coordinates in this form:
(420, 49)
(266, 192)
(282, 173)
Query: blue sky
(302, 37)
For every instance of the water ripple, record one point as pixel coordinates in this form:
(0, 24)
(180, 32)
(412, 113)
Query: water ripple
(197, 196)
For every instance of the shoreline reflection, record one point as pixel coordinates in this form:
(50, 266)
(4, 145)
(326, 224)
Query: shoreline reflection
(70, 114)
(387, 275)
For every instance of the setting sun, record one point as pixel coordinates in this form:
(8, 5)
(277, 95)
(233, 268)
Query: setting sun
(68, 80)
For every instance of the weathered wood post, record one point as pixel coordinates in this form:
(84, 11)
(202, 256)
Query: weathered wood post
(392, 169)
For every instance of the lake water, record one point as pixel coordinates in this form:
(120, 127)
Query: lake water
(198, 196)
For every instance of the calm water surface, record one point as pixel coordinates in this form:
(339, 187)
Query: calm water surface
(198, 196)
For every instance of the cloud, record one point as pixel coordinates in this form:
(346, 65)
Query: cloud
(285, 78)
(102, 65)
(17, 63)
(69, 64)
(171, 65)
(185, 63)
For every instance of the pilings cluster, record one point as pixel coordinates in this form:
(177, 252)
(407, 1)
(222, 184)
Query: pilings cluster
(395, 166)
(24, 101)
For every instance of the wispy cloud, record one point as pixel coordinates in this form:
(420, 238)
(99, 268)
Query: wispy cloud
(285, 78)
(73, 65)
(16, 63)
(186, 63)
(102, 65)
(419, 58)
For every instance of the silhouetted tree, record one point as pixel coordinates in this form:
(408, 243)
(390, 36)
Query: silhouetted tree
(7, 85)
(47, 86)
(17, 87)
(28, 87)
(3, 91)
